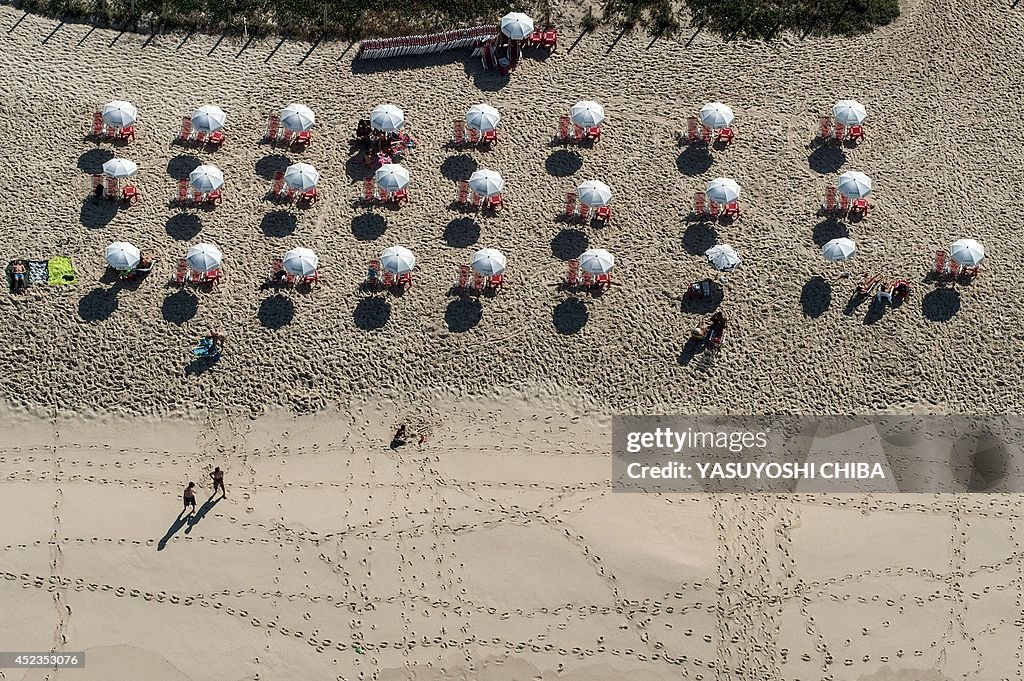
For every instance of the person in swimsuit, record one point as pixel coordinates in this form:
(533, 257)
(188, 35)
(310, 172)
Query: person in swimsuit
(146, 262)
(189, 497)
(218, 481)
(18, 275)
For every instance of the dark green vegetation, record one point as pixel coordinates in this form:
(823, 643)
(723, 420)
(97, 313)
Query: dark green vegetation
(751, 18)
(361, 18)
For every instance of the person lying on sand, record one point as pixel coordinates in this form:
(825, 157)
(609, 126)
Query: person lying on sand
(146, 262)
(18, 276)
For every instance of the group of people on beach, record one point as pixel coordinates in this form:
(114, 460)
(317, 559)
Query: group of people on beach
(189, 496)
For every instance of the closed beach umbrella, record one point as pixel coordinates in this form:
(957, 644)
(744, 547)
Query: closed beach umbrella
(488, 261)
(839, 249)
(483, 117)
(723, 190)
(594, 193)
(387, 117)
(297, 117)
(397, 260)
(203, 257)
(301, 176)
(716, 115)
(300, 262)
(119, 114)
(122, 256)
(967, 252)
(849, 112)
(516, 25)
(486, 183)
(587, 114)
(391, 177)
(208, 118)
(854, 184)
(722, 257)
(120, 168)
(206, 179)
(597, 261)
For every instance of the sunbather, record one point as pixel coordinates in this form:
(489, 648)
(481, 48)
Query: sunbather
(901, 289)
(867, 282)
(18, 274)
(146, 262)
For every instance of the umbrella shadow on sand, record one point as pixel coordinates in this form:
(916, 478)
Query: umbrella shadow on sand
(694, 160)
(563, 163)
(180, 307)
(371, 313)
(98, 304)
(462, 314)
(829, 229)
(941, 304)
(816, 297)
(91, 162)
(570, 316)
(279, 223)
(368, 226)
(459, 167)
(699, 237)
(826, 159)
(276, 312)
(268, 166)
(569, 244)
(486, 81)
(97, 212)
(183, 226)
(461, 232)
(182, 165)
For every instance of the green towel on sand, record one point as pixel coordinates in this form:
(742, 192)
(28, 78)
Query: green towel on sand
(61, 271)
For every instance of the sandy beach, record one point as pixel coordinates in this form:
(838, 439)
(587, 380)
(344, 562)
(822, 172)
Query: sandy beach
(495, 550)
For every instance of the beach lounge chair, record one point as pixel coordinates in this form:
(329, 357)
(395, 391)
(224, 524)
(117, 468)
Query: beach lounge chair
(130, 194)
(183, 192)
(564, 130)
(305, 138)
(490, 137)
(462, 281)
(276, 268)
(604, 215)
(277, 185)
(705, 135)
(969, 272)
(829, 204)
(867, 283)
(859, 206)
(181, 273)
(844, 205)
(603, 281)
(535, 39)
(578, 133)
(495, 281)
(586, 279)
(310, 196)
(462, 193)
(186, 130)
(572, 273)
(373, 274)
(550, 38)
(200, 137)
(273, 128)
(127, 133)
(214, 198)
(404, 281)
(954, 268)
(478, 282)
(692, 129)
(856, 133)
(939, 267)
(458, 133)
(899, 289)
(731, 209)
(570, 205)
(726, 136)
(472, 136)
(700, 207)
(95, 181)
(475, 199)
(495, 202)
(285, 137)
(112, 190)
(217, 139)
(369, 193)
(713, 210)
(98, 125)
(212, 277)
(839, 131)
(399, 197)
(825, 127)
(593, 134)
(311, 280)
(388, 278)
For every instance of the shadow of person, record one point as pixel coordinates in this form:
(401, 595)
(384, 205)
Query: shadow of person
(194, 519)
(178, 523)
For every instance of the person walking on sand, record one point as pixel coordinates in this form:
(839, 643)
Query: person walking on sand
(190, 497)
(218, 481)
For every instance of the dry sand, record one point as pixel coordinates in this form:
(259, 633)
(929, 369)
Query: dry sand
(496, 551)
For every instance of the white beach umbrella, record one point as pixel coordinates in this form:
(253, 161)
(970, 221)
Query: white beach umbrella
(206, 179)
(488, 261)
(517, 25)
(120, 168)
(391, 177)
(387, 117)
(122, 256)
(483, 117)
(587, 114)
(594, 193)
(397, 260)
(839, 249)
(298, 117)
(203, 257)
(301, 262)
(597, 261)
(119, 114)
(301, 176)
(723, 190)
(849, 112)
(716, 115)
(967, 252)
(486, 183)
(208, 118)
(722, 257)
(854, 184)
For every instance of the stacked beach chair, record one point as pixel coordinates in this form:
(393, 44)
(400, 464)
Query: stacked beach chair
(383, 48)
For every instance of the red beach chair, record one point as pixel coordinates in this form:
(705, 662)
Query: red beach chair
(536, 39)
(495, 281)
(276, 267)
(829, 205)
(458, 133)
(856, 133)
(844, 205)
(214, 198)
(273, 128)
(490, 137)
(604, 215)
(475, 199)
(286, 136)
(726, 136)
(126, 133)
(578, 133)
(388, 278)
(186, 129)
(310, 196)
(954, 267)
(278, 185)
(570, 204)
(369, 193)
(311, 280)
(839, 132)
(731, 209)
(572, 274)
(404, 280)
(212, 277)
(705, 134)
(130, 194)
(593, 134)
(603, 281)
(95, 181)
(181, 273)
(305, 138)
(478, 282)
(700, 207)
(564, 135)
(859, 206)
(97, 124)
(969, 272)
(713, 210)
(373, 277)
(550, 39)
(200, 137)
(112, 190)
(401, 196)
(462, 193)
(692, 131)
(940, 262)
(825, 129)
(472, 136)
(462, 282)
(217, 139)
(495, 202)
(586, 279)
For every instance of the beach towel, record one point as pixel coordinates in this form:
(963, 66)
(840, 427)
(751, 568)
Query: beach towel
(38, 272)
(61, 271)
